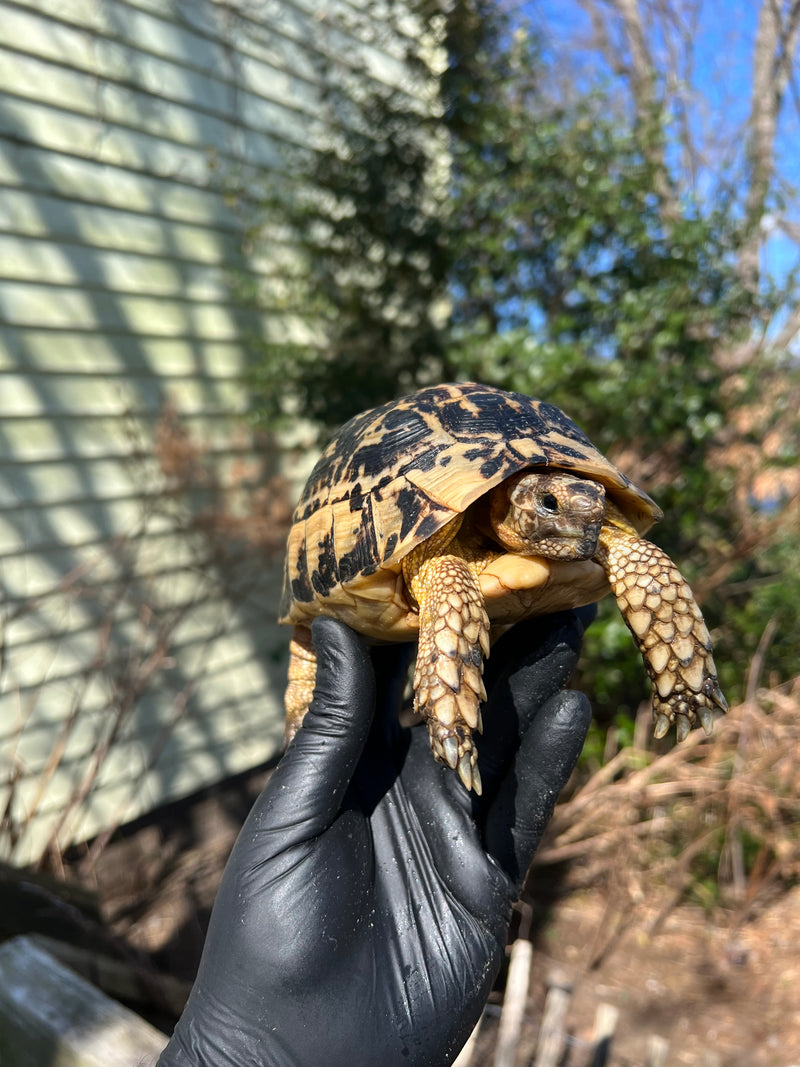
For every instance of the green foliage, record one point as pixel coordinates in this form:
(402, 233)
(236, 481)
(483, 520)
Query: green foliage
(575, 281)
(704, 887)
(572, 281)
(594, 751)
(571, 272)
(764, 592)
(610, 669)
(365, 218)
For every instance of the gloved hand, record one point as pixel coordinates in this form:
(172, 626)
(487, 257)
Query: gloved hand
(362, 916)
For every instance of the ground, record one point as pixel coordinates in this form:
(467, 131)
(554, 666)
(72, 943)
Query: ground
(696, 982)
(700, 981)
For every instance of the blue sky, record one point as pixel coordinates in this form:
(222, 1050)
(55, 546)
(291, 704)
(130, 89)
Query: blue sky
(722, 40)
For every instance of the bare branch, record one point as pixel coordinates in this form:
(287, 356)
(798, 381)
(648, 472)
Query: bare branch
(641, 75)
(788, 332)
(603, 41)
(679, 28)
(773, 57)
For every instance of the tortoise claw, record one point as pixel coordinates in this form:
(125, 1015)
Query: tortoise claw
(477, 784)
(468, 772)
(683, 727)
(661, 727)
(450, 747)
(715, 693)
(465, 771)
(707, 720)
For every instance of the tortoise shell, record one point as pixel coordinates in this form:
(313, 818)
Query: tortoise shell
(396, 474)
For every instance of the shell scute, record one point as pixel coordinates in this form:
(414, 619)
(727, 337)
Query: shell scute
(389, 547)
(411, 503)
(361, 555)
(326, 574)
(356, 497)
(491, 466)
(297, 579)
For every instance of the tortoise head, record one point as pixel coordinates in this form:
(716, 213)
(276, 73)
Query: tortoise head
(550, 514)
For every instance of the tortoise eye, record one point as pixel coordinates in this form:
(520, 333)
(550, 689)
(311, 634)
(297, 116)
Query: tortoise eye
(549, 502)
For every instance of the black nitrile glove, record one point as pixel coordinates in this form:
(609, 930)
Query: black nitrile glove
(362, 917)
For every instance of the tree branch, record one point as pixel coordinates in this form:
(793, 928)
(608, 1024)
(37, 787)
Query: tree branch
(640, 73)
(773, 57)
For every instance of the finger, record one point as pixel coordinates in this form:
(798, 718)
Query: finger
(527, 796)
(533, 639)
(528, 665)
(390, 664)
(444, 810)
(384, 752)
(305, 793)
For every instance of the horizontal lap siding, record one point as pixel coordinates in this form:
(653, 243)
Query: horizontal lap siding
(141, 660)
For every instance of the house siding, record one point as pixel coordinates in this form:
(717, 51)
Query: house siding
(141, 659)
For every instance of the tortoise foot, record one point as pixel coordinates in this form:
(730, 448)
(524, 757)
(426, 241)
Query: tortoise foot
(452, 717)
(668, 627)
(686, 708)
(454, 746)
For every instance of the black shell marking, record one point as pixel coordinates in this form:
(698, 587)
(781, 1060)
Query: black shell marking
(397, 473)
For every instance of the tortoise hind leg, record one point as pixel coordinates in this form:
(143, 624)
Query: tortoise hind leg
(302, 675)
(453, 639)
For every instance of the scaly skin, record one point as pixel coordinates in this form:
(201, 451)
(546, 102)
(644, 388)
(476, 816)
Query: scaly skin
(302, 675)
(660, 611)
(453, 640)
(442, 577)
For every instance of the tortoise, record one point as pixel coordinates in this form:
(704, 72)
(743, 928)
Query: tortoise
(462, 507)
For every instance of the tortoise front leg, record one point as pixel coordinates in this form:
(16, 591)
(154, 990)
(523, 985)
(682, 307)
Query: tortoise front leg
(453, 639)
(668, 627)
(302, 675)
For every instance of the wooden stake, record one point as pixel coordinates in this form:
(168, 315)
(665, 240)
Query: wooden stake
(605, 1025)
(464, 1058)
(551, 1036)
(514, 1002)
(655, 1054)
